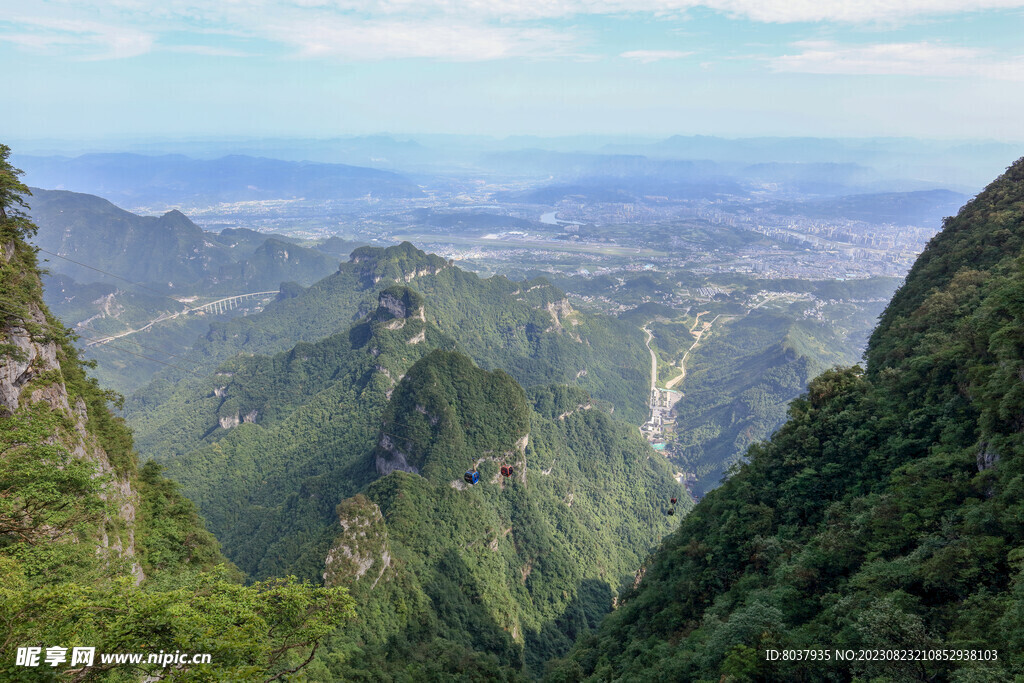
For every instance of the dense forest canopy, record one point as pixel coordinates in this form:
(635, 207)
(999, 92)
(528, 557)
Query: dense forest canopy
(373, 430)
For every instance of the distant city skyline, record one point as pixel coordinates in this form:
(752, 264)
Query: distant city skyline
(136, 70)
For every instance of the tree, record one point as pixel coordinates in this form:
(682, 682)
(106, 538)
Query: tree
(13, 220)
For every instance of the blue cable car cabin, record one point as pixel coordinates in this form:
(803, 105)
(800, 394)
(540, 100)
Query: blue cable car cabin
(472, 477)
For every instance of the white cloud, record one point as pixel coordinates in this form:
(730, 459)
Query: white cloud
(209, 51)
(648, 56)
(457, 30)
(348, 30)
(776, 11)
(851, 11)
(898, 59)
(81, 39)
(380, 40)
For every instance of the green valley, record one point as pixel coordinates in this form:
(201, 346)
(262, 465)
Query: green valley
(376, 427)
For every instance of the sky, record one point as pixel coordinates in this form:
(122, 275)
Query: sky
(137, 69)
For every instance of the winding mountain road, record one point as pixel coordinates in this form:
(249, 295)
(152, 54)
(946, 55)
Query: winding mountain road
(697, 335)
(654, 358)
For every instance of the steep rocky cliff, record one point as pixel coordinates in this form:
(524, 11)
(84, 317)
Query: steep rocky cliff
(361, 549)
(96, 551)
(42, 382)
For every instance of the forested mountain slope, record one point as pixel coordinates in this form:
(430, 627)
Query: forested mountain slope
(385, 419)
(97, 552)
(270, 444)
(514, 567)
(739, 383)
(526, 328)
(887, 512)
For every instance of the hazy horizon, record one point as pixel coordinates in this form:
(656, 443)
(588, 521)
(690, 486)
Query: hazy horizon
(122, 143)
(959, 164)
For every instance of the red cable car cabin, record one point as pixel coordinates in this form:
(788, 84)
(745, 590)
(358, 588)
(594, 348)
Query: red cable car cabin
(507, 470)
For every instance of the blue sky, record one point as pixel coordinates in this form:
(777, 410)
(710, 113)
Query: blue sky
(132, 69)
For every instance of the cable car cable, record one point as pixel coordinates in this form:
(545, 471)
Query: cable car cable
(100, 270)
(117, 340)
(136, 284)
(157, 360)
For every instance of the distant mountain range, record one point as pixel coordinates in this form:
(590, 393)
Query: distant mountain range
(169, 252)
(628, 177)
(963, 165)
(137, 180)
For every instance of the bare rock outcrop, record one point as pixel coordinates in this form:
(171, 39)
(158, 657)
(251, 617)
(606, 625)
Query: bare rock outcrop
(361, 550)
(390, 458)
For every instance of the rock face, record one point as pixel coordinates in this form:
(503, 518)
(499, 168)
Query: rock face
(361, 551)
(420, 272)
(30, 374)
(392, 305)
(229, 421)
(31, 359)
(399, 304)
(559, 311)
(562, 314)
(987, 458)
(390, 458)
